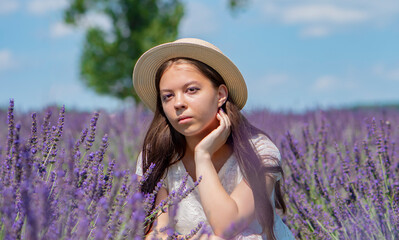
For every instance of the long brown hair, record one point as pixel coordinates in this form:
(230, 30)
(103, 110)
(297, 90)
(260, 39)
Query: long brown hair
(163, 144)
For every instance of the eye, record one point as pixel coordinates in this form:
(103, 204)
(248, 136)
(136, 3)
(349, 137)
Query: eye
(192, 89)
(166, 97)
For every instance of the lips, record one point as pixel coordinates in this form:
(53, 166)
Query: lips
(183, 119)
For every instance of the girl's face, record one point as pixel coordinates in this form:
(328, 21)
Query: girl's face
(189, 100)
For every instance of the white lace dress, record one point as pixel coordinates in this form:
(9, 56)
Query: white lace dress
(190, 212)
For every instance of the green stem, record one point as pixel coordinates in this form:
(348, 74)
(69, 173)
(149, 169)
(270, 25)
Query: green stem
(48, 154)
(329, 233)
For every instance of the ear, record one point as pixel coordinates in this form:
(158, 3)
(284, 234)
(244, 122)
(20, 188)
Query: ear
(222, 95)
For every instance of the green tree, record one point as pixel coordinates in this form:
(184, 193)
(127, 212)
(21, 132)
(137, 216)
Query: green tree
(236, 5)
(108, 57)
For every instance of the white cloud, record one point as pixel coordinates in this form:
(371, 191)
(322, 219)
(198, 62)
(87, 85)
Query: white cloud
(387, 73)
(60, 91)
(322, 13)
(74, 95)
(8, 6)
(60, 29)
(199, 19)
(325, 83)
(315, 31)
(269, 83)
(7, 60)
(316, 18)
(93, 19)
(44, 6)
(393, 74)
(272, 80)
(331, 83)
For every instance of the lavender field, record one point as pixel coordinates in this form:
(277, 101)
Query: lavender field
(69, 175)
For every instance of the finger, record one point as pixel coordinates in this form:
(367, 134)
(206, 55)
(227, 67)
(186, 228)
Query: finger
(224, 124)
(222, 121)
(224, 114)
(228, 123)
(226, 118)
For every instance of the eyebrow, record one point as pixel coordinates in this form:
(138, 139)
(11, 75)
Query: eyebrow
(184, 86)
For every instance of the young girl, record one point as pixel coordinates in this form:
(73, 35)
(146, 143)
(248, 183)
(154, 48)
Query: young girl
(196, 93)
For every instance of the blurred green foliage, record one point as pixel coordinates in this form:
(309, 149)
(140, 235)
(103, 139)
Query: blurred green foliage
(108, 56)
(236, 5)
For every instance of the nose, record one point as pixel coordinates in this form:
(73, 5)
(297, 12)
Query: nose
(180, 103)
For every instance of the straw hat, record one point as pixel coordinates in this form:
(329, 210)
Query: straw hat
(148, 64)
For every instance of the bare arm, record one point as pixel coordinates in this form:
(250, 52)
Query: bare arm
(221, 209)
(162, 220)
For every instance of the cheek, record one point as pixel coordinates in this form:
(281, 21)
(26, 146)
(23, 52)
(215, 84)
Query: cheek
(209, 113)
(167, 112)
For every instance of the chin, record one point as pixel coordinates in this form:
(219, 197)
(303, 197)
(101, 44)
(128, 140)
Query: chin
(189, 133)
(196, 132)
(197, 129)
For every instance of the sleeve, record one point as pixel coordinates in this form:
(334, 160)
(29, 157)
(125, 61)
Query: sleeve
(139, 164)
(268, 152)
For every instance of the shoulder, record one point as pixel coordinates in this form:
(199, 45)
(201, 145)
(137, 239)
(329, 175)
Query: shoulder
(139, 164)
(266, 149)
(139, 169)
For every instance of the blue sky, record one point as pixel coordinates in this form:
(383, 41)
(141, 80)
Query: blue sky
(294, 55)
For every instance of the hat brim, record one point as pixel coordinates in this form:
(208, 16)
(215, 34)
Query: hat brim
(148, 64)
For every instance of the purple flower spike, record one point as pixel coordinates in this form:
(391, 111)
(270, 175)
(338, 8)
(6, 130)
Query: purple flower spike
(57, 132)
(92, 134)
(341, 175)
(103, 148)
(33, 138)
(46, 132)
(10, 119)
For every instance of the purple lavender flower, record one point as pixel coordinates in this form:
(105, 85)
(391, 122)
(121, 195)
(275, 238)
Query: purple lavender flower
(45, 129)
(33, 138)
(10, 119)
(341, 175)
(92, 134)
(103, 148)
(57, 132)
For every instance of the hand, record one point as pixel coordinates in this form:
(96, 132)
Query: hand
(218, 137)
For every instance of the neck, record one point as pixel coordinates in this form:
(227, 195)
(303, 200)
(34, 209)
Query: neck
(192, 142)
(223, 152)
